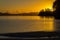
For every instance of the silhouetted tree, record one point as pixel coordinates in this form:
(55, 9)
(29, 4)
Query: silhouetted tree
(56, 7)
(47, 12)
(41, 13)
(0, 13)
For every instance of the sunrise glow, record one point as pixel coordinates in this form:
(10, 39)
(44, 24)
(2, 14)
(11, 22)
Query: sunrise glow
(25, 5)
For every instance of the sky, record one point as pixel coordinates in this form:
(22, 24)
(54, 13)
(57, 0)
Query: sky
(25, 5)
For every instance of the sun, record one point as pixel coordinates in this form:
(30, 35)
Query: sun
(49, 7)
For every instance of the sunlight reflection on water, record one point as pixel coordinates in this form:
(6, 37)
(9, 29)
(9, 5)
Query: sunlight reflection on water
(26, 24)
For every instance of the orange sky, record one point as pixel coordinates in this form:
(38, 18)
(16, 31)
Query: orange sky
(25, 5)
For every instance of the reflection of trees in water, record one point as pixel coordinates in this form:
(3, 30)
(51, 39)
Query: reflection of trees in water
(57, 25)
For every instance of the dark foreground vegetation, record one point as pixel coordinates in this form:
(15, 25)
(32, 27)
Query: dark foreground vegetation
(32, 35)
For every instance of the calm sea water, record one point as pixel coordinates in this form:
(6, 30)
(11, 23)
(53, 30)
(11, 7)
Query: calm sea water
(13, 24)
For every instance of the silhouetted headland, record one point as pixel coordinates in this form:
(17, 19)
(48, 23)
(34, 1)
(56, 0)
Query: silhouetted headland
(55, 13)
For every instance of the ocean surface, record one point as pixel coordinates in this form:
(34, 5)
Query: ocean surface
(13, 24)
